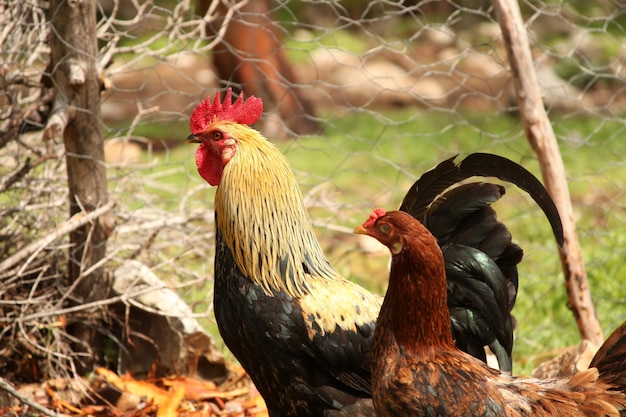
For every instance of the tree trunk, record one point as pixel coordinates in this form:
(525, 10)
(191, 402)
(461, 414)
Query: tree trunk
(541, 137)
(76, 116)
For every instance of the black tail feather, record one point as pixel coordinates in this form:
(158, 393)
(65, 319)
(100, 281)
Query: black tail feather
(610, 359)
(480, 300)
(481, 259)
(447, 173)
(461, 207)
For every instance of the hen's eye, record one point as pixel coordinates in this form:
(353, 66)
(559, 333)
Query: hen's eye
(385, 228)
(217, 135)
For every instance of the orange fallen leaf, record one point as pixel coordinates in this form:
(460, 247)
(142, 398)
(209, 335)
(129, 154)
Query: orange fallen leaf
(166, 401)
(169, 409)
(94, 409)
(195, 389)
(224, 394)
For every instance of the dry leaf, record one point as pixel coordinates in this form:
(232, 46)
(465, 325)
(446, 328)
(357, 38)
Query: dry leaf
(195, 389)
(166, 401)
(169, 409)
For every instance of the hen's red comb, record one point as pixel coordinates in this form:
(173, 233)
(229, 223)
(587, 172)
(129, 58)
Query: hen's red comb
(243, 112)
(376, 214)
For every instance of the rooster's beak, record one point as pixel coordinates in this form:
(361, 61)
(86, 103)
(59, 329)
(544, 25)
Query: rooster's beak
(193, 139)
(360, 230)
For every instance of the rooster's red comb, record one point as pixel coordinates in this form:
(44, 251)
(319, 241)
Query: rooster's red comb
(243, 112)
(376, 214)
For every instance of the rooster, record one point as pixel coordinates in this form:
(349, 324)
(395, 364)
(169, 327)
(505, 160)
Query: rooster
(417, 369)
(301, 331)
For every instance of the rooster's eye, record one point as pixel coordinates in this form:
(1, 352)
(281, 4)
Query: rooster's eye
(217, 135)
(385, 228)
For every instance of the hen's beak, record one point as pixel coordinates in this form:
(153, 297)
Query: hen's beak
(360, 230)
(193, 139)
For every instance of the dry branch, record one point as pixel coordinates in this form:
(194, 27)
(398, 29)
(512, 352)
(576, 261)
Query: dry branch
(78, 220)
(5, 386)
(8, 181)
(541, 137)
(81, 307)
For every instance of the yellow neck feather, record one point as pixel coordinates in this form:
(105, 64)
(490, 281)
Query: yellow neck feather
(263, 220)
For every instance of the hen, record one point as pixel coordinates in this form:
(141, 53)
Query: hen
(301, 331)
(417, 370)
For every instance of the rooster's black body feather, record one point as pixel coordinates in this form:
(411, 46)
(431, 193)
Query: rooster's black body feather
(326, 375)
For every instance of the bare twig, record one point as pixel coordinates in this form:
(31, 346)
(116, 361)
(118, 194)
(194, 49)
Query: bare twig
(125, 298)
(74, 223)
(16, 176)
(541, 137)
(26, 167)
(5, 386)
(133, 228)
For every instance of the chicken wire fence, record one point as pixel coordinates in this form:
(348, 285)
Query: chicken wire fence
(362, 97)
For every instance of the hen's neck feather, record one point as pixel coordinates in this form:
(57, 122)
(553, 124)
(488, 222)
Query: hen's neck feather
(262, 217)
(417, 296)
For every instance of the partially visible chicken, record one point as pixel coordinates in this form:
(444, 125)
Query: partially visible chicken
(301, 331)
(418, 371)
(480, 258)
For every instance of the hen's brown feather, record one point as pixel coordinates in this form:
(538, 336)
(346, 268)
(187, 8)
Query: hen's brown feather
(417, 370)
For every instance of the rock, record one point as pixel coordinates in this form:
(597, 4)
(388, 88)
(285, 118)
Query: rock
(172, 86)
(121, 152)
(354, 81)
(558, 95)
(480, 83)
(160, 334)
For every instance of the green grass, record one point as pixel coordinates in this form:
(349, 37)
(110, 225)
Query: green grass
(369, 159)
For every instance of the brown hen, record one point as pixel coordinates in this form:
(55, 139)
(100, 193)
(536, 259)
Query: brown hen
(418, 371)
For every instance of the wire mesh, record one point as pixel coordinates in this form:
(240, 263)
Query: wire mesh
(362, 97)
